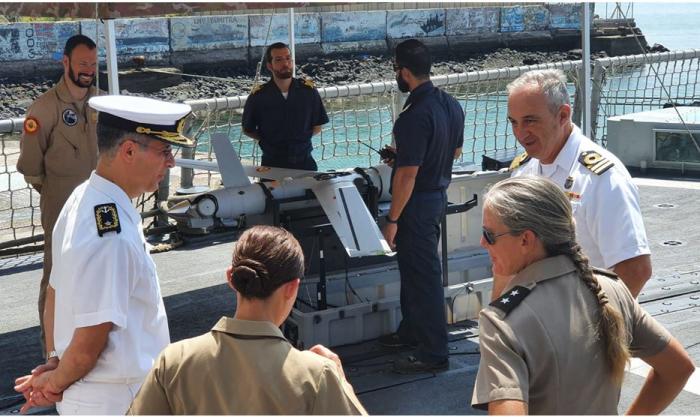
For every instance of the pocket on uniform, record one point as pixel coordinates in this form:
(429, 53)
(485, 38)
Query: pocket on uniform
(65, 158)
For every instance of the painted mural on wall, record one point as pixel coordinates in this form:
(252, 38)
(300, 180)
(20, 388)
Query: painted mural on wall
(208, 32)
(353, 26)
(134, 36)
(415, 23)
(536, 18)
(22, 41)
(472, 20)
(521, 19)
(565, 16)
(307, 29)
(512, 19)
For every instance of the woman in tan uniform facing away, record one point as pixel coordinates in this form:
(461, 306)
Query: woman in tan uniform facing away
(244, 365)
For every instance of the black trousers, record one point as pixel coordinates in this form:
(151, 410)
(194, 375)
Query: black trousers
(422, 297)
(305, 161)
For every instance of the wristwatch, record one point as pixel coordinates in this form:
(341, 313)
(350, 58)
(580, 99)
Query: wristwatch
(51, 354)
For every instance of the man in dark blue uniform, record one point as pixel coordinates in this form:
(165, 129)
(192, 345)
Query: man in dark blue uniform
(429, 134)
(284, 113)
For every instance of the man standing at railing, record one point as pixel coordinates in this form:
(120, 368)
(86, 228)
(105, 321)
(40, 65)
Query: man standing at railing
(429, 134)
(605, 202)
(58, 149)
(283, 114)
(105, 319)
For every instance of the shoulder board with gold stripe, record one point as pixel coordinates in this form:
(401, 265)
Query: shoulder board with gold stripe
(519, 160)
(595, 162)
(308, 83)
(257, 88)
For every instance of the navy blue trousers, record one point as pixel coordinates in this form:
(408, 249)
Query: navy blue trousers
(305, 161)
(422, 297)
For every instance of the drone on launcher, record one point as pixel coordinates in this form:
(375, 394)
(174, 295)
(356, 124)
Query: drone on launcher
(352, 217)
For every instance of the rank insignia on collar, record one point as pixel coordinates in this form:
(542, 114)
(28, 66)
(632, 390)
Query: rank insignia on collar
(595, 162)
(308, 83)
(31, 125)
(107, 218)
(519, 160)
(510, 299)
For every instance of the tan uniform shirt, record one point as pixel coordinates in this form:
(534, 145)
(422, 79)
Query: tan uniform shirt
(62, 151)
(545, 352)
(243, 367)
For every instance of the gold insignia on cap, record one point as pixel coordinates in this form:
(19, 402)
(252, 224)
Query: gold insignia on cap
(107, 218)
(308, 83)
(595, 162)
(519, 160)
(149, 131)
(31, 125)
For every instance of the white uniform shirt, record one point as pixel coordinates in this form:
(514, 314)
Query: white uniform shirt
(609, 225)
(107, 279)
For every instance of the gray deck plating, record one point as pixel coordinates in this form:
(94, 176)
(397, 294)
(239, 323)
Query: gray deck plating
(192, 281)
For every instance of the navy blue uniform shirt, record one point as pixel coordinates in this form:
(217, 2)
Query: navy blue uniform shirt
(427, 133)
(286, 125)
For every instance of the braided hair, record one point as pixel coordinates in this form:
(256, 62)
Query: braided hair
(537, 204)
(264, 259)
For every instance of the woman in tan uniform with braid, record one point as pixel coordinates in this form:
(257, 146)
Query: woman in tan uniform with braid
(557, 339)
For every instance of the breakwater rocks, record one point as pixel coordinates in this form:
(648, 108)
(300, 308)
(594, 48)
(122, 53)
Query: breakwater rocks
(17, 94)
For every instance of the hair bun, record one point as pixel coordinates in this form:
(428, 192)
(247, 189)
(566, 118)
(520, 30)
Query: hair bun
(249, 277)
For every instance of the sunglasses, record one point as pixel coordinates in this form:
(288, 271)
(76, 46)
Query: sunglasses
(489, 237)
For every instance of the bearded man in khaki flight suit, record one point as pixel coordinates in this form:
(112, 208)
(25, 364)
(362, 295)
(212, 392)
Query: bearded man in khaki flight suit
(58, 150)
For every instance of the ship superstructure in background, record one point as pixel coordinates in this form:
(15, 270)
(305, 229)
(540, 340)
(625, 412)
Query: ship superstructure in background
(663, 139)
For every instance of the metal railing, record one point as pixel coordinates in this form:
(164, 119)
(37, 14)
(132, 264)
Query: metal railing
(364, 113)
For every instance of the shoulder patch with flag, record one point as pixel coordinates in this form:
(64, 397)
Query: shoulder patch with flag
(31, 125)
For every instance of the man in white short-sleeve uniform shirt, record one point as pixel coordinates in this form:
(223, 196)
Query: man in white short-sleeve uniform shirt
(104, 306)
(605, 202)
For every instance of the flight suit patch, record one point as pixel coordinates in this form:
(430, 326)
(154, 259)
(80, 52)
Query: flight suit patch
(595, 162)
(519, 160)
(107, 219)
(69, 117)
(508, 301)
(31, 125)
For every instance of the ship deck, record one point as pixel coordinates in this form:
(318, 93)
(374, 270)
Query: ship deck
(196, 296)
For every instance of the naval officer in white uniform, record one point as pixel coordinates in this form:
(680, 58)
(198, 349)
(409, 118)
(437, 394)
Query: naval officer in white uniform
(105, 317)
(605, 202)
